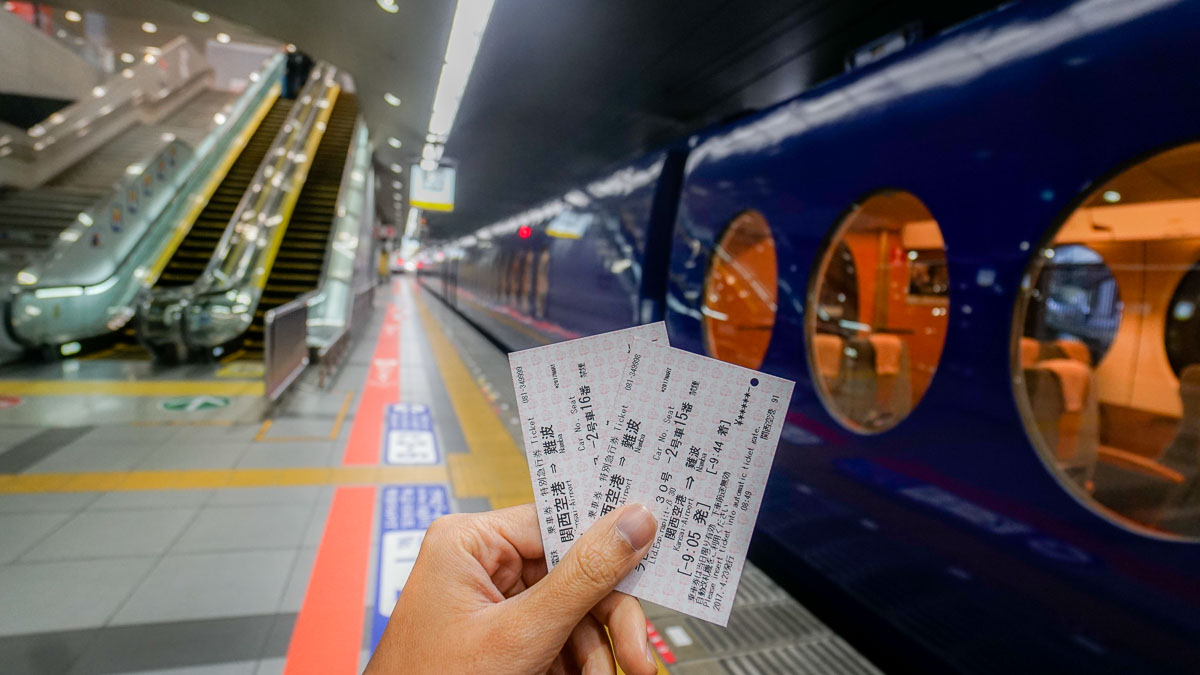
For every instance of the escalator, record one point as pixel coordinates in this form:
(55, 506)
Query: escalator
(190, 259)
(301, 255)
(31, 220)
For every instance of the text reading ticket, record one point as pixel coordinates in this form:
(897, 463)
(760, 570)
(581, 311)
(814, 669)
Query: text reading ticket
(563, 392)
(692, 438)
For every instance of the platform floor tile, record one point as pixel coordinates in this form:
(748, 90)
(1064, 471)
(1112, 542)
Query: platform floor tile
(113, 534)
(210, 585)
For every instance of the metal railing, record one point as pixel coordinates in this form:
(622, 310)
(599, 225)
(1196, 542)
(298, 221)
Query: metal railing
(331, 356)
(285, 345)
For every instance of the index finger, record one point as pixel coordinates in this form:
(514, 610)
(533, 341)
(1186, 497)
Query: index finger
(518, 525)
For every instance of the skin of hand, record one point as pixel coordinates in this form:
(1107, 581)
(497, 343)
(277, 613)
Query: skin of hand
(479, 599)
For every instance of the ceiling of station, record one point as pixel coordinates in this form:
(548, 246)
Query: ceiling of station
(564, 90)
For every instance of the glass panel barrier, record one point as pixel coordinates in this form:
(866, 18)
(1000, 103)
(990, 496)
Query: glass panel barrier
(329, 311)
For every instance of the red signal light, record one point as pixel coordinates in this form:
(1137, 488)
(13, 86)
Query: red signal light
(524, 231)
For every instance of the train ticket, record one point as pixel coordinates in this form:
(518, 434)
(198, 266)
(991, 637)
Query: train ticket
(562, 394)
(692, 438)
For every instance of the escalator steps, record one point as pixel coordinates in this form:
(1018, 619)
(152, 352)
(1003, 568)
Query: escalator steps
(194, 251)
(301, 255)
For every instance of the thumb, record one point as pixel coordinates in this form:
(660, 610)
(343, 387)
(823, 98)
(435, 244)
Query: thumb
(591, 568)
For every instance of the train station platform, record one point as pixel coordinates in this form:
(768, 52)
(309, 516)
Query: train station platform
(168, 520)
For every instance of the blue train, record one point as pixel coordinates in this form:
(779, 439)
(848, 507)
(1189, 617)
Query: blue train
(980, 261)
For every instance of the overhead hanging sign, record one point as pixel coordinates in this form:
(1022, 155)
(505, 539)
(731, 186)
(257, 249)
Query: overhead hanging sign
(432, 190)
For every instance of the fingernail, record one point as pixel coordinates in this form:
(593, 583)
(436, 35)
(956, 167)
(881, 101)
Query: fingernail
(650, 655)
(636, 525)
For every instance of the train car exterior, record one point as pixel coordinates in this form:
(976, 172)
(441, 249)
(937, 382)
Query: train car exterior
(978, 261)
(572, 267)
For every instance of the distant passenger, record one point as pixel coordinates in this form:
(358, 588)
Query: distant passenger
(479, 599)
(299, 65)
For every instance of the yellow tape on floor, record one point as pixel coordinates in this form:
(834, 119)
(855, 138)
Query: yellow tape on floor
(132, 387)
(494, 467)
(128, 481)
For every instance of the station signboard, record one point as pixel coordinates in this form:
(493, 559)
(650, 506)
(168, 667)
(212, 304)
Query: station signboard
(432, 190)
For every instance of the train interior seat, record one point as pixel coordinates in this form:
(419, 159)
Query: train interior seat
(856, 393)
(1071, 349)
(893, 383)
(827, 349)
(1181, 507)
(1030, 352)
(1062, 395)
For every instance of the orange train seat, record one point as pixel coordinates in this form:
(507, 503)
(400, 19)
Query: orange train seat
(827, 352)
(1030, 352)
(1181, 508)
(1065, 409)
(856, 382)
(893, 387)
(1071, 349)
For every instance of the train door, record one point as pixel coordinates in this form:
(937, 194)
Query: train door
(526, 291)
(543, 283)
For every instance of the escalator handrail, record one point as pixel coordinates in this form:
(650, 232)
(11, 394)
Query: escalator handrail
(262, 208)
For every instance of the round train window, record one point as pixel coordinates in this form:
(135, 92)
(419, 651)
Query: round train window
(740, 292)
(878, 312)
(1111, 398)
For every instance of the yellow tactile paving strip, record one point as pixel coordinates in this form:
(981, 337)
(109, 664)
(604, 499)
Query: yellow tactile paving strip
(132, 387)
(494, 467)
(263, 435)
(128, 481)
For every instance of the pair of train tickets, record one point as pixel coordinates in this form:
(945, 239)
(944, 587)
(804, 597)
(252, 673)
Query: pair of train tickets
(623, 417)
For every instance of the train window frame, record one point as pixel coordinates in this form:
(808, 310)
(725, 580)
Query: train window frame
(705, 331)
(834, 243)
(1035, 262)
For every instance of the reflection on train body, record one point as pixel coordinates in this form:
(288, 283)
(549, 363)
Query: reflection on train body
(1107, 354)
(881, 300)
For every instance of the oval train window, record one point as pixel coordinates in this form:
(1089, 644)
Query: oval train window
(878, 312)
(740, 292)
(1109, 397)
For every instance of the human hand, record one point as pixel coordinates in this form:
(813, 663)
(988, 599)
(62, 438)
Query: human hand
(479, 599)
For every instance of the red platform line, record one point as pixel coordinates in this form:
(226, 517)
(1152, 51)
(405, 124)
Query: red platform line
(660, 645)
(328, 636)
(381, 390)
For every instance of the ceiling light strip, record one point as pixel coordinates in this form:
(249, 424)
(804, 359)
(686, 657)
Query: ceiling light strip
(470, 20)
